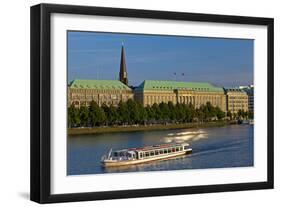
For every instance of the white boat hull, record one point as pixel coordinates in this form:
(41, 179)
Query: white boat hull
(116, 163)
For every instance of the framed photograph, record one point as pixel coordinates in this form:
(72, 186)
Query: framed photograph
(132, 103)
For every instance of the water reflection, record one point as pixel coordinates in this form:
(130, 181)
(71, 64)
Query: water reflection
(230, 146)
(181, 137)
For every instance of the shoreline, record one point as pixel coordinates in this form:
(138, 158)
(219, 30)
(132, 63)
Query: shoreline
(116, 129)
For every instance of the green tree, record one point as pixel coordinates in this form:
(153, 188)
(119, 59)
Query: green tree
(143, 116)
(250, 115)
(165, 112)
(200, 113)
(246, 114)
(242, 114)
(192, 111)
(209, 111)
(105, 108)
(229, 114)
(112, 115)
(73, 116)
(123, 112)
(150, 114)
(180, 112)
(84, 115)
(96, 114)
(92, 113)
(188, 113)
(156, 112)
(172, 115)
(219, 113)
(133, 111)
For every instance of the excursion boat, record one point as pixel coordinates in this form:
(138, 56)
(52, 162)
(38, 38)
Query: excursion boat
(144, 154)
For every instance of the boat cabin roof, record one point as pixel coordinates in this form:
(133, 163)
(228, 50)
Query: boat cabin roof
(153, 147)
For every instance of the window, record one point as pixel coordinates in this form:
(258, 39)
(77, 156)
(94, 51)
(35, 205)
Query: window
(169, 150)
(147, 154)
(156, 152)
(161, 152)
(151, 153)
(173, 149)
(165, 151)
(177, 149)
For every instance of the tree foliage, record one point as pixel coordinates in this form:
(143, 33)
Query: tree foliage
(132, 112)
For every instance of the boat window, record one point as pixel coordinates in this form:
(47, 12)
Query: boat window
(169, 150)
(151, 153)
(186, 147)
(115, 154)
(180, 148)
(140, 155)
(156, 152)
(165, 151)
(177, 149)
(173, 149)
(161, 151)
(147, 154)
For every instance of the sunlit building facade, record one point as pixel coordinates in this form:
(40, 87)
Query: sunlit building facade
(237, 99)
(152, 91)
(109, 92)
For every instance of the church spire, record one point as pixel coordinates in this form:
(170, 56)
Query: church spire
(123, 77)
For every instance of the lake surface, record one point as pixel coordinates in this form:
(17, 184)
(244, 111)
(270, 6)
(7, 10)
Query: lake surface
(229, 146)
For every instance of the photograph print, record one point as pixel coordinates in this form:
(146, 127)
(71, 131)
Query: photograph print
(142, 103)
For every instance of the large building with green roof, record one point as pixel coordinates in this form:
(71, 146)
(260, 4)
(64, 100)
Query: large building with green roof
(196, 93)
(83, 92)
(109, 92)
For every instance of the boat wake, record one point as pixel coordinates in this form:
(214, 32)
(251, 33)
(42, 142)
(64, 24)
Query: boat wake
(215, 151)
(185, 136)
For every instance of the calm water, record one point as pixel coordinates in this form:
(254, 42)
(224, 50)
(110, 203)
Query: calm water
(230, 146)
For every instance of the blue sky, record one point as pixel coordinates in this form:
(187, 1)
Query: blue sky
(224, 62)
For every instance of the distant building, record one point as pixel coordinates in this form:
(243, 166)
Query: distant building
(250, 92)
(155, 91)
(83, 92)
(236, 100)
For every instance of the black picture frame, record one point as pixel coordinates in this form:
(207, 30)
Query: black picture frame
(41, 95)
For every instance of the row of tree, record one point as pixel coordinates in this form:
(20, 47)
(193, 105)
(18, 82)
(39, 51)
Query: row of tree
(241, 114)
(132, 112)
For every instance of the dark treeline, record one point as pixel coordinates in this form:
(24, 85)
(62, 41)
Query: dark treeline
(132, 112)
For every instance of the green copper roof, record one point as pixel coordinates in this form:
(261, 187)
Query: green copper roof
(172, 85)
(99, 84)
